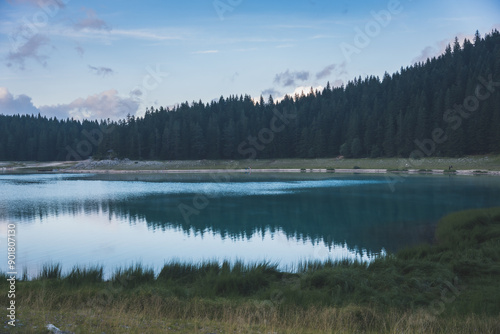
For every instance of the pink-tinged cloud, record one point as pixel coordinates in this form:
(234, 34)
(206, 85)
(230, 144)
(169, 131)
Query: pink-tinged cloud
(107, 104)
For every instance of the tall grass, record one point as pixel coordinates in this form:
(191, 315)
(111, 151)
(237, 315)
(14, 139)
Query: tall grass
(133, 276)
(80, 276)
(50, 271)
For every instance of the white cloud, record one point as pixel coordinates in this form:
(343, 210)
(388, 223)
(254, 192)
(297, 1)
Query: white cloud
(10, 105)
(155, 35)
(277, 96)
(107, 104)
(305, 90)
(205, 52)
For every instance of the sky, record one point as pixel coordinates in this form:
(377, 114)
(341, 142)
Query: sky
(107, 59)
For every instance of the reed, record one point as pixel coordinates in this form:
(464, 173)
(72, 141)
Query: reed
(50, 271)
(80, 276)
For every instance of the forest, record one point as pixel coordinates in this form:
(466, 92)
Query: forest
(446, 106)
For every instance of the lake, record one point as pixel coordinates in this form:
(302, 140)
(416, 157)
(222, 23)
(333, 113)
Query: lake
(118, 220)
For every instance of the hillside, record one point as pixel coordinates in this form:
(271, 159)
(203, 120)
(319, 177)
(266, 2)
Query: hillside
(448, 106)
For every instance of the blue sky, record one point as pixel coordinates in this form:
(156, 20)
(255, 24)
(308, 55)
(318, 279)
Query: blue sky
(106, 59)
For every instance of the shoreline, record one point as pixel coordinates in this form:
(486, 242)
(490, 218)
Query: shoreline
(290, 170)
(472, 165)
(337, 296)
(7, 171)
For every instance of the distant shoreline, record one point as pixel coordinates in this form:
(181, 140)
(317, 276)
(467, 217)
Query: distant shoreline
(292, 170)
(471, 165)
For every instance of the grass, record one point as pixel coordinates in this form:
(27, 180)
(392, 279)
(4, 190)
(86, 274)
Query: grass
(50, 271)
(81, 276)
(450, 286)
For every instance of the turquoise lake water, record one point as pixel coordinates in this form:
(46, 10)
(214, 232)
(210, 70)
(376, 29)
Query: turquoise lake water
(118, 220)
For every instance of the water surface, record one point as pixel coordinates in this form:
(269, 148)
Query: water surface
(118, 220)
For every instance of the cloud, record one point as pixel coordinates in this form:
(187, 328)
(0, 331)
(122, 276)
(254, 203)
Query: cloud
(145, 34)
(80, 50)
(305, 90)
(320, 36)
(271, 91)
(38, 3)
(426, 53)
(136, 93)
(10, 105)
(325, 72)
(288, 78)
(336, 69)
(29, 50)
(91, 22)
(103, 71)
(205, 52)
(338, 83)
(439, 47)
(234, 76)
(107, 104)
(278, 96)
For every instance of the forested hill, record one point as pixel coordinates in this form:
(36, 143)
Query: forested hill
(447, 106)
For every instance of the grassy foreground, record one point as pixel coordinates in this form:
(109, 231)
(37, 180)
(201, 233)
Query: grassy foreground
(448, 287)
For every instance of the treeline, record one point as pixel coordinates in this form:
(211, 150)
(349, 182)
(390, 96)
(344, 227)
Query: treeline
(446, 106)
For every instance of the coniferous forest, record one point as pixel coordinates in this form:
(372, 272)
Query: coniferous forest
(446, 106)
